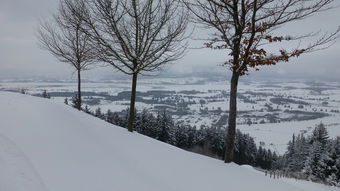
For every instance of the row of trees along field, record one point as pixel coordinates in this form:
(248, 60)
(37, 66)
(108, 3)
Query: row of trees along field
(140, 36)
(315, 157)
(208, 141)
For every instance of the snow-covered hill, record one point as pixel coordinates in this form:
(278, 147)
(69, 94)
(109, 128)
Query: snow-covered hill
(46, 146)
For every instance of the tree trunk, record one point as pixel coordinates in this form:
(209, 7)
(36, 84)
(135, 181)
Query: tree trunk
(230, 139)
(79, 92)
(132, 102)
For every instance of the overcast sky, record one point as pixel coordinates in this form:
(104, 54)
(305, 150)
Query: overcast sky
(21, 57)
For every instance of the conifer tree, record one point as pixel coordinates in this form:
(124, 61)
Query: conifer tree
(165, 123)
(312, 164)
(45, 94)
(87, 109)
(66, 101)
(320, 134)
(330, 163)
(98, 113)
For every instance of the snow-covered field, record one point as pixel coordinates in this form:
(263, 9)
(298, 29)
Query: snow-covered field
(48, 146)
(275, 136)
(275, 110)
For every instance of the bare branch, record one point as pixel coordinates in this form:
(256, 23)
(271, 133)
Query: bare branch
(64, 38)
(246, 27)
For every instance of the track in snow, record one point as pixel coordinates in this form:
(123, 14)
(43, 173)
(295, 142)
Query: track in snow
(16, 171)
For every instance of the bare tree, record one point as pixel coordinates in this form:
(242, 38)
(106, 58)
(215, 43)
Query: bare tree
(64, 39)
(247, 29)
(136, 36)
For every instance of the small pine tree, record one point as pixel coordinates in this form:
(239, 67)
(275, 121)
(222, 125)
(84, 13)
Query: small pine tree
(75, 101)
(333, 180)
(45, 94)
(125, 117)
(180, 137)
(98, 113)
(165, 123)
(108, 116)
(312, 164)
(66, 101)
(117, 120)
(290, 153)
(327, 164)
(317, 159)
(298, 154)
(87, 109)
(144, 123)
(330, 163)
(320, 134)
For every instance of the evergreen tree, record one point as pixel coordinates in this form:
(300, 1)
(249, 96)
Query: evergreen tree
(316, 161)
(192, 136)
(312, 164)
(320, 134)
(330, 163)
(75, 101)
(180, 137)
(290, 153)
(317, 156)
(87, 109)
(98, 113)
(145, 124)
(125, 117)
(245, 149)
(217, 141)
(297, 153)
(117, 120)
(108, 116)
(165, 123)
(44, 94)
(333, 180)
(208, 141)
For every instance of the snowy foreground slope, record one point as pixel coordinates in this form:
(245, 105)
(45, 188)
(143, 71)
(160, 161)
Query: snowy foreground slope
(46, 146)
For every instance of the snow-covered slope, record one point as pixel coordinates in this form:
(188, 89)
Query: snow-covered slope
(46, 146)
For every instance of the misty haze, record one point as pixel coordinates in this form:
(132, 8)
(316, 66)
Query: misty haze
(169, 95)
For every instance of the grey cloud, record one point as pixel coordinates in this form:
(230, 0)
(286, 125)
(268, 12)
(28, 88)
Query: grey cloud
(20, 55)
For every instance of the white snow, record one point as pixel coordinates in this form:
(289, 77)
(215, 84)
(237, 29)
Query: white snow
(277, 135)
(47, 146)
(16, 171)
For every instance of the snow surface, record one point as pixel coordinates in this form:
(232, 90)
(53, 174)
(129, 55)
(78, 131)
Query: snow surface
(276, 136)
(47, 146)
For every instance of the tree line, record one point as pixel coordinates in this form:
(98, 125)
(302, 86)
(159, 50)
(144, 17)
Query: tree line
(315, 157)
(140, 36)
(209, 141)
